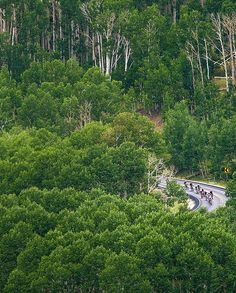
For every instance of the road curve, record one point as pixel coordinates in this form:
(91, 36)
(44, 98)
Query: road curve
(219, 195)
(196, 202)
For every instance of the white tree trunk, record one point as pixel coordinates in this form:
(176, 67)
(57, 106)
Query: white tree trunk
(60, 23)
(53, 25)
(108, 60)
(2, 21)
(108, 64)
(93, 50)
(229, 23)
(234, 53)
(87, 44)
(232, 57)
(13, 27)
(127, 53)
(207, 59)
(190, 58)
(223, 55)
(105, 55)
(217, 23)
(116, 51)
(72, 38)
(196, 37)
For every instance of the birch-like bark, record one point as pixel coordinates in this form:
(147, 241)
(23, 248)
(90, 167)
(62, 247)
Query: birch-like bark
(207, 59)
(229, 23)
(190, 58)
(115, 56)
(2, 21)
(108, 64)
(99, 51)
(87, 44)
(108, 36)
(232, 56)
(13, 26)
(234, 50)
(60, 29)
(72, 38)
(196, 37)
(127, 50)
(60, 22)
(217, 23)
(106, 42)
(93, 50)
(53, 25)
(108, 60)
(102, 58)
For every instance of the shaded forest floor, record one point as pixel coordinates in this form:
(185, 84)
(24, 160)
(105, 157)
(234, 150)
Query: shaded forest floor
(154, 117)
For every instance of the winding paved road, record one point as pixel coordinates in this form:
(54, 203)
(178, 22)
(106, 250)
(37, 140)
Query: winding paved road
(195, 199)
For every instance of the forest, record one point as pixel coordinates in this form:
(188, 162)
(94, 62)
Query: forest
(99, 99)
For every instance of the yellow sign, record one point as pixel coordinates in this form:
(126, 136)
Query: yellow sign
(226, 170)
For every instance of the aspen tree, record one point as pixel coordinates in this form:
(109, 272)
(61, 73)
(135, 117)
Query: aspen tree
(229, 23)
(218, 29)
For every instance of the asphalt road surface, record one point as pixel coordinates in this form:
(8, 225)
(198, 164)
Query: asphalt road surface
(195, 200)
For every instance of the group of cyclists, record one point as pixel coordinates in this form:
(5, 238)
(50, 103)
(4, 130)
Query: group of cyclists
(204, 194)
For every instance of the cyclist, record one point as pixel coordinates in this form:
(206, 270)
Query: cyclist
(210, 199)
(191, 186)
(211, 194)
(202, 192)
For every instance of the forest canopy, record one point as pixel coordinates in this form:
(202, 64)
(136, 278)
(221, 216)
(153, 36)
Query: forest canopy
(97, 99)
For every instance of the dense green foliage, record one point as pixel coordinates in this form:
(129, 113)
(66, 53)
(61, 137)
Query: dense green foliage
(57, 241)
(84, 160)
(77, 209)
(64, 98)
(147, 55)
(59, 233)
